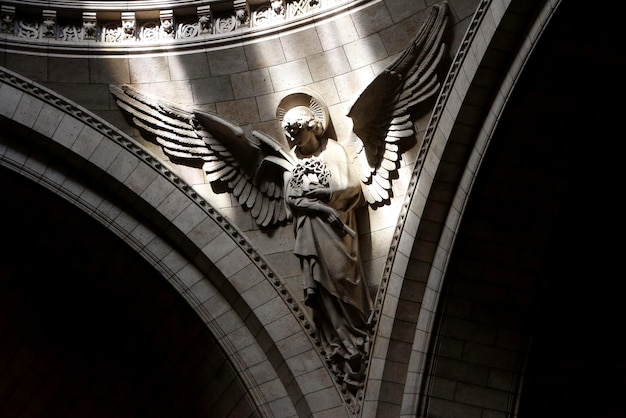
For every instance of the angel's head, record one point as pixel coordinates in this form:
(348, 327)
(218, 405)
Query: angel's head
(299, 118)
(303, 129)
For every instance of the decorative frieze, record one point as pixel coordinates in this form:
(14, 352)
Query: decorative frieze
(241, 13)
(49, 25)
(130, 26)
(166, 31)
(111, 32)
(8, 19)
(27, 28)
(297, 8)
(205, 20)
(90, 26)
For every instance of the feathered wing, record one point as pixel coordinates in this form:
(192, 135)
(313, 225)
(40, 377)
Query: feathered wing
(381, 114)
(252, 168)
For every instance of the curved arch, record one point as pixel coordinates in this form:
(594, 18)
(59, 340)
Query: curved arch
(485, 128)
(465, 116)
(497, 332)
(94, 324)
(207, 260)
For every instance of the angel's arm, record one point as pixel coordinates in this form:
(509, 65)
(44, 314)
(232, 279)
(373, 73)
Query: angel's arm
(311, 206)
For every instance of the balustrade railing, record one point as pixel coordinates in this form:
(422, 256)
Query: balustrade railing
(42, 21)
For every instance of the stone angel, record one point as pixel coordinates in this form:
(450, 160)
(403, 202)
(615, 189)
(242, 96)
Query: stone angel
(317, 183)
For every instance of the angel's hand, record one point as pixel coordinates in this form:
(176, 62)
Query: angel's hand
(333, 218)
(341, 228)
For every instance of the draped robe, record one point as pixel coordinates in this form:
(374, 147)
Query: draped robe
(334, 285)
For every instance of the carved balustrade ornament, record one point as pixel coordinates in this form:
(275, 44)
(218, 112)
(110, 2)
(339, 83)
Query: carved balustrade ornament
(63, 25)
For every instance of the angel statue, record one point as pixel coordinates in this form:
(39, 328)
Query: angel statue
(317, 183)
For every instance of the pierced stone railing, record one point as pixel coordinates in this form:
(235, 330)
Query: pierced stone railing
(150, 21)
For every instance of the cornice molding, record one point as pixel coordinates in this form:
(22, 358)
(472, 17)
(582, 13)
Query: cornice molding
(112, 5)
(59, 28)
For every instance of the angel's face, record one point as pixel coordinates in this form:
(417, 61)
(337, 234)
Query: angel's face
(299, 135)
(292, 127)
(296, 128)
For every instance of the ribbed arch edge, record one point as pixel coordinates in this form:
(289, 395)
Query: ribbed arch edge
(416, 253)
(417, 378)
(185, 222)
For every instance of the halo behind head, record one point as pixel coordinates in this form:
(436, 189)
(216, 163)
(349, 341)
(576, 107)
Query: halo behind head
(307, 98)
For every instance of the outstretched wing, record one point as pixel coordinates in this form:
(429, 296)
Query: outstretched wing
(226, 153)
(381, 114)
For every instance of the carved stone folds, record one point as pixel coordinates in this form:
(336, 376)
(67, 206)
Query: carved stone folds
(204, 18)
